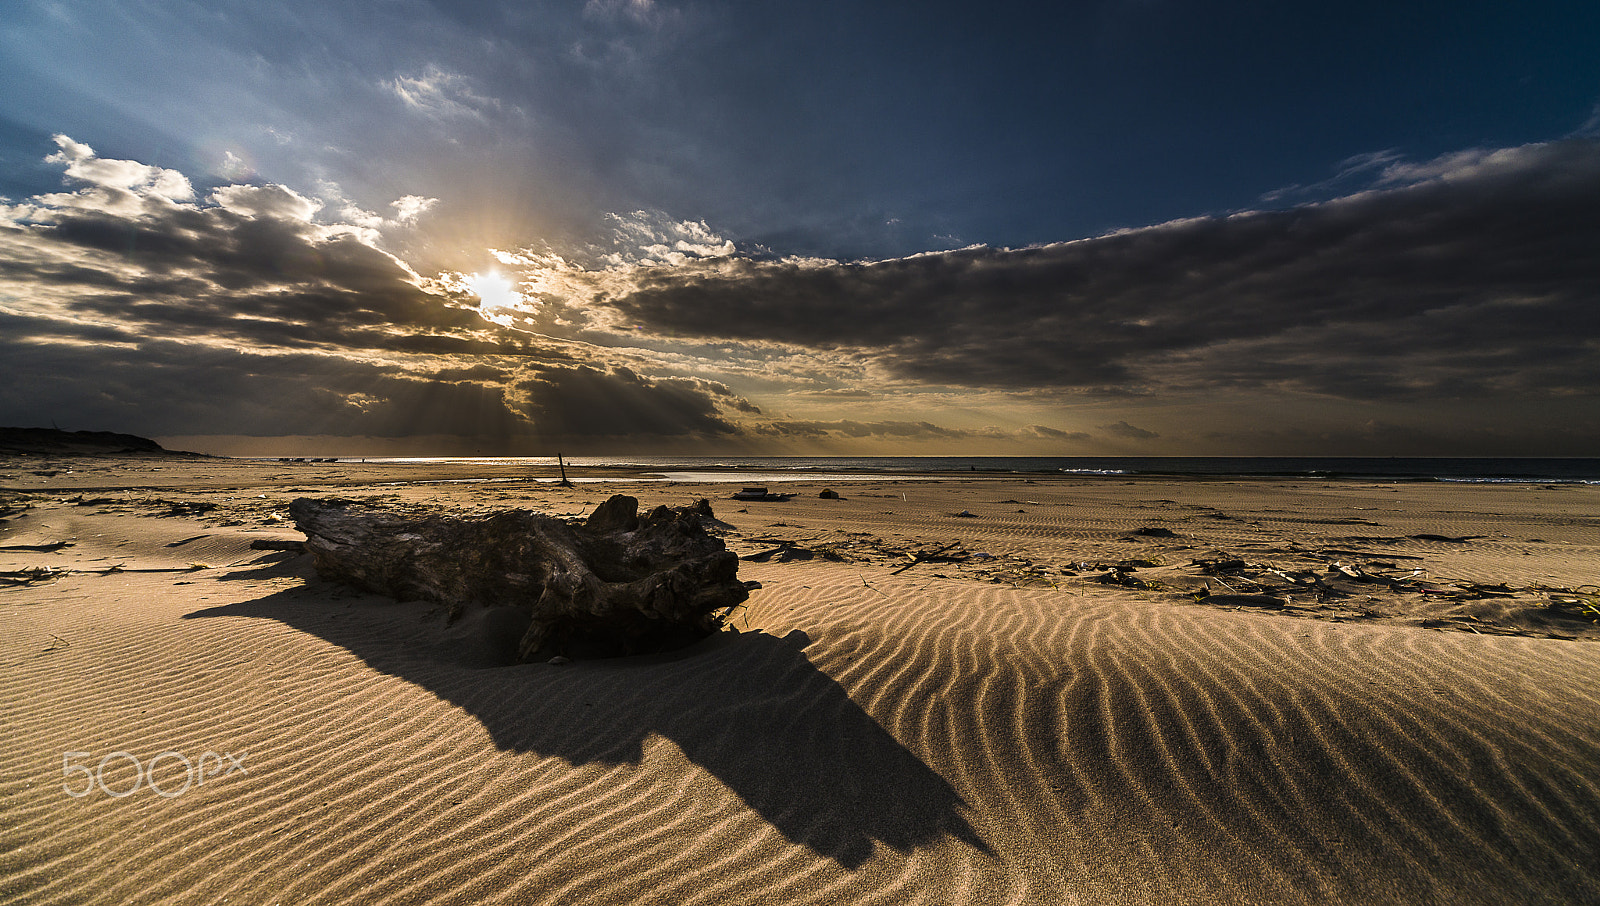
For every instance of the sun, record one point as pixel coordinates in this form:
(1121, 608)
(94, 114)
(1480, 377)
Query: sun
(495, 291)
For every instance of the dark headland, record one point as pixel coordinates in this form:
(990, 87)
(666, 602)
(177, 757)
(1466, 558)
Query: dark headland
(53, 441)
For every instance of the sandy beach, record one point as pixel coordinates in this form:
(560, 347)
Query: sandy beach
(947, 689)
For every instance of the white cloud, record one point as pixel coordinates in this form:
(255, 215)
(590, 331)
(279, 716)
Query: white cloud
(1459, 165)
(83, 165)
(277, 202)
(235, 167)
(370, 224)
(14, 216)
(347, 211)
(442, 94)
(557, 291)
(1366, 163)
(1590, 127)
(651, 239)
(643, 12)
(410, 207)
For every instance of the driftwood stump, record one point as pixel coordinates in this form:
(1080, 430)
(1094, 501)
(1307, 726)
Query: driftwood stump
(614, 584)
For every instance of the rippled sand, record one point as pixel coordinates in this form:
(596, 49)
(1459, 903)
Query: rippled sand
(995, 724)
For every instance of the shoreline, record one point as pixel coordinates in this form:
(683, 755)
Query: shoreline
(22, 472)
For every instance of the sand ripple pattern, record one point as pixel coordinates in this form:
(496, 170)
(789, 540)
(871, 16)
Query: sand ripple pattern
(1127, 751)
(873, 739)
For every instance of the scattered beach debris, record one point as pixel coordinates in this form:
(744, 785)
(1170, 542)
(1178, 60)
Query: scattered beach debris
(182, 508)
(120, 568)
(1121, 574)
(937, 556)
(1137, 564)
(33, 575)
(965, 514)
(38, 575)
(12, 504)
(830, 494)
(617, 583)
(1581, 603)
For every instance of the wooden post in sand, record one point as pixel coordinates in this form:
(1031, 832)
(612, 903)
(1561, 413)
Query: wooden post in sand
(564, 482)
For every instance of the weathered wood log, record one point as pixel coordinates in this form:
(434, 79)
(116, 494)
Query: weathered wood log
(614, 584)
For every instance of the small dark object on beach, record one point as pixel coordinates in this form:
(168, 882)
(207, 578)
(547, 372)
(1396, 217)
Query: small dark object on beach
(184, 508)
(1131, 565)
(830, 494)
(1120, 576)
(789, 553)
(1155, 532)
(50, 548)
(1221, 567)
(759, 494)
(1264, 601)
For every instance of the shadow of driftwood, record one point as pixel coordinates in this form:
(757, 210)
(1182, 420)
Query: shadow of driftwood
(750, 708)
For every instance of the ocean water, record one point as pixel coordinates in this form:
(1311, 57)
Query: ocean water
(771, 468)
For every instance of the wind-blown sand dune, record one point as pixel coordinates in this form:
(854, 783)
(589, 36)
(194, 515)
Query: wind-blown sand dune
(955, 732)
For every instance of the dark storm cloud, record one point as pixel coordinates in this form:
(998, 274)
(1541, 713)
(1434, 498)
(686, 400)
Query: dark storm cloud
(1049, 433)
(165, 387)
(856, 429)
(841, 393)
(453, 344)
(127, 299)
(472, 373)
(585, 402)
(130, 303)
(1470, 273)
(173, 387)
(250, 271)
(1132, 432)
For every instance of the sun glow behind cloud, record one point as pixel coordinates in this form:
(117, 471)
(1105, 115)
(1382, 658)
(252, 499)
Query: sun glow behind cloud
(498, 296)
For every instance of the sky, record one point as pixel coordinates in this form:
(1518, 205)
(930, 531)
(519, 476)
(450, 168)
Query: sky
(635, 227)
